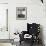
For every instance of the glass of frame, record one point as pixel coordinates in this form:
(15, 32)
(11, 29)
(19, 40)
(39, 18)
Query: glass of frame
(21, 13)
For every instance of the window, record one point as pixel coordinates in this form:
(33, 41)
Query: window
(3, 17)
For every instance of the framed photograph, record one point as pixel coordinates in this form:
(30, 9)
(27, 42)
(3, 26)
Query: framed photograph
(21, 13)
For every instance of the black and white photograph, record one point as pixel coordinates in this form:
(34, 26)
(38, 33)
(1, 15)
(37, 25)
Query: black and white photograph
(22, 22)
(21, 13)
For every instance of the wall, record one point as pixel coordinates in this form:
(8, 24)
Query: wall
(35, 13)
(32, 8)
(3, 1)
